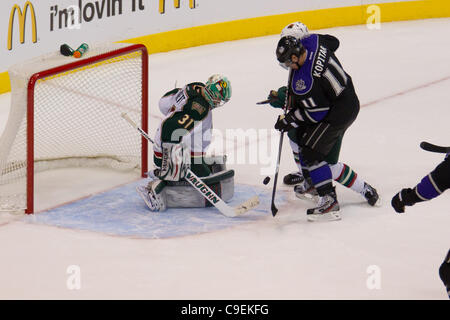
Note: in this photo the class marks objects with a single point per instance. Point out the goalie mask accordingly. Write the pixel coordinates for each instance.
(297, 30)
(217, 90)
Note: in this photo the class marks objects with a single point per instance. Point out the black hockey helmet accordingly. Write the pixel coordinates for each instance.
(286, 47)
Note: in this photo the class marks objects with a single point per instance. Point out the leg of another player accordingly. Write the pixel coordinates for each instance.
(345, 175)
(295, 177)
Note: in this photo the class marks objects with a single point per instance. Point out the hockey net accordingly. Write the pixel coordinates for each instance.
(66, 112)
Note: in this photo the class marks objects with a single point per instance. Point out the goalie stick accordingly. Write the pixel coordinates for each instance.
(434, 148)
(202, 188)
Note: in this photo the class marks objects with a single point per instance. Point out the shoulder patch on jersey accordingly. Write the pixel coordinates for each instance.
(302, 79)
(198, 107)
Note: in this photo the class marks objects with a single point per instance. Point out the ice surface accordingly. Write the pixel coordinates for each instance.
(122, 212)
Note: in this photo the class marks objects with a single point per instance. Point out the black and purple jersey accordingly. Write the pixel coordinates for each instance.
(435, 183)
(321, 84)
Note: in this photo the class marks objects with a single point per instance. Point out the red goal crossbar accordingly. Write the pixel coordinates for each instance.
(71, 66)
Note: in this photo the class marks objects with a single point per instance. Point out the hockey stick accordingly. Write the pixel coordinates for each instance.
(434, 148)
(277, 169)
(202, 188)
(264, 102)
(273, 208)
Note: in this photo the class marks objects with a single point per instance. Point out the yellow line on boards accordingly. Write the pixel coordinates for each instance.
(269, 25)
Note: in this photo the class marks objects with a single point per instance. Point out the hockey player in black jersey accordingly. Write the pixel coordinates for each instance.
(430, 187)
(341, 172)
(322, 104)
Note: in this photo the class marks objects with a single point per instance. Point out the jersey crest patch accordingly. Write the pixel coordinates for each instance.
(198, 107)
(300, 85)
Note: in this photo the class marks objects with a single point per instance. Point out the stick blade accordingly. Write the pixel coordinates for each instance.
(274, 210)
(247, 205)
(434, 148)
(424, 145)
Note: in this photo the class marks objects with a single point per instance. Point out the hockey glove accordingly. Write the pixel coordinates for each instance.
(286, 122)
(273, 96)
(277, 98)
(406, 197)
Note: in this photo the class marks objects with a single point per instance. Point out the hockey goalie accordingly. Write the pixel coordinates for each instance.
(180, 145)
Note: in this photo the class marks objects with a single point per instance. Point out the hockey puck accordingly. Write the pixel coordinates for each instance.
(266, 180)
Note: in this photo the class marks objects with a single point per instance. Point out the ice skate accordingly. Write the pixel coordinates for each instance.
(293, 178)
(306, 191)
(155, 202)
(371, 195)
(327, 209)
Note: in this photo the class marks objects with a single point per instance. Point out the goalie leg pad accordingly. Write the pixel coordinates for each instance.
(216, 163)
(182, 195)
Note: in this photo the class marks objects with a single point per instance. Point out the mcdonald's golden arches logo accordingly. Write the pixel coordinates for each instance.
(176, 4)
(22, 21)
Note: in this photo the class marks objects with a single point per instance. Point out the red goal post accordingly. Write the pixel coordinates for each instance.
(65, 112)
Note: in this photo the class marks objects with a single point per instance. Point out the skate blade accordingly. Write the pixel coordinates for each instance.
(307, 196)
(329, 216)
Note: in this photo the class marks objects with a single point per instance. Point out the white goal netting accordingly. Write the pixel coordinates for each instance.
(71, 116)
